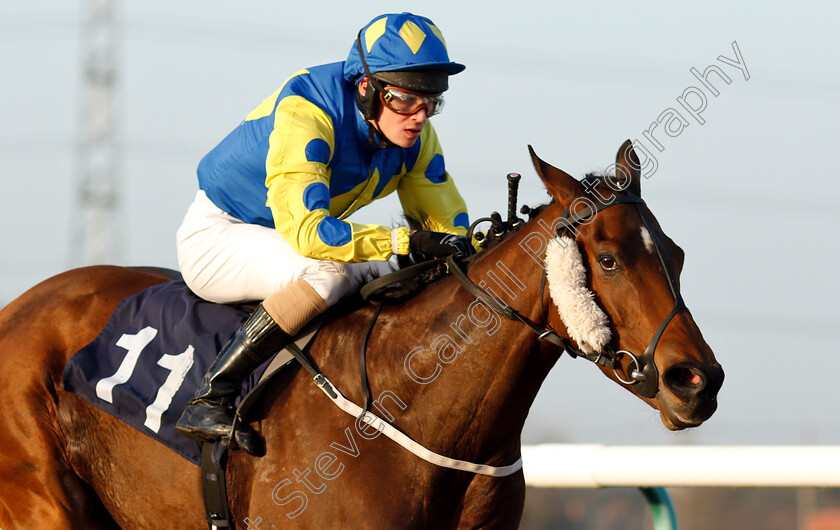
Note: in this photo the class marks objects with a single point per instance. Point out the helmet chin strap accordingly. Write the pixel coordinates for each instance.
(383, 140)
(367, 104)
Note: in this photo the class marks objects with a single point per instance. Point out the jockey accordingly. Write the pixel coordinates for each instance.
(268, 221)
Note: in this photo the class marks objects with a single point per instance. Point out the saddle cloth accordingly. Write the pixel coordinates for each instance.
(150, 358)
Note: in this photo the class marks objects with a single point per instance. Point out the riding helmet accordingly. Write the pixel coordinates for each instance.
(403, 50)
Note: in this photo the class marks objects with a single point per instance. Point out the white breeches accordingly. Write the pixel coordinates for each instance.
(226, 260)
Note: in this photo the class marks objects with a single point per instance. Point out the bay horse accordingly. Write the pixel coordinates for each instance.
(66, 464)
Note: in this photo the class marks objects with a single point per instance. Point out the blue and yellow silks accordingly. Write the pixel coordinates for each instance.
(301, 162)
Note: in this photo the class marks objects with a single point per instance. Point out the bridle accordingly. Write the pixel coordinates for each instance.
(643, 373)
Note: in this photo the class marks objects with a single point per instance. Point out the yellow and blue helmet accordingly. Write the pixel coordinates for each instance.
(404, 50)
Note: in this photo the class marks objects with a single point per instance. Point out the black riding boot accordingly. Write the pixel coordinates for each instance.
(209, 414)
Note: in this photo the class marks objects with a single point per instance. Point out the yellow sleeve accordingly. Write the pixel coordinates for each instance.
(297, 177)
(428, 193)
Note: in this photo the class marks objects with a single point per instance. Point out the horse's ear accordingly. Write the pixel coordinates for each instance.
(627, 169)
(560, 184)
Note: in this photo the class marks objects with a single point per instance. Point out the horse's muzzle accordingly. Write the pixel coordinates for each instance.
(695, 387)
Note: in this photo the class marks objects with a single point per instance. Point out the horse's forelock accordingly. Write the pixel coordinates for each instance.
(599, 175)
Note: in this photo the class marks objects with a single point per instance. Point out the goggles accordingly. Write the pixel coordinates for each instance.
(407, 102)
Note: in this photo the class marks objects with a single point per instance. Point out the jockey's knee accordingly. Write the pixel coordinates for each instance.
(332, 281)
(329, 279)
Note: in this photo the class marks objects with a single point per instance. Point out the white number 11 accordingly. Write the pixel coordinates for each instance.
(178, 366)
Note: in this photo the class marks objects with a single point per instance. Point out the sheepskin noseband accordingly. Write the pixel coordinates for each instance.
(584, 320)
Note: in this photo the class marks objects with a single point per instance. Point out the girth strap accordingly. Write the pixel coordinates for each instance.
(213, 487)
(214, 491)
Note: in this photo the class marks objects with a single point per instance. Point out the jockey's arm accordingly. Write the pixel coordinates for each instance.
(297, 179)
(428, 193)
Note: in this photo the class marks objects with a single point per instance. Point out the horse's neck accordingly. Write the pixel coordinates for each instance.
(469, 374)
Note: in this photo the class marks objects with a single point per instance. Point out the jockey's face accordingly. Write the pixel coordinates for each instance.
(401, 129)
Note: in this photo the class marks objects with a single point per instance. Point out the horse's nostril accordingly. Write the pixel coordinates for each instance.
(688, 377)
(689, 381)
(692, 378)
(684, 380)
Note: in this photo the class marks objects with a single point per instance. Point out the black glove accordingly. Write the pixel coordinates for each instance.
(439, 244)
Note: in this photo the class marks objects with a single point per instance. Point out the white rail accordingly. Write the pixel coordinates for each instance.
(595, 466)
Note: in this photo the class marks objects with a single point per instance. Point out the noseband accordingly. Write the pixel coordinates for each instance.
(643, 374)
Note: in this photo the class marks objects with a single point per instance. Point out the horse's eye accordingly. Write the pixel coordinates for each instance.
(608, 264)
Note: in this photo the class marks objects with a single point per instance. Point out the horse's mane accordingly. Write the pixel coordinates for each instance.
(418, 221)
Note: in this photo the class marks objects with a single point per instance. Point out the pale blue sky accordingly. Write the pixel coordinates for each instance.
(749, 195)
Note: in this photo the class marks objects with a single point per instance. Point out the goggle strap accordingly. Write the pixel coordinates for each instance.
(371, 80)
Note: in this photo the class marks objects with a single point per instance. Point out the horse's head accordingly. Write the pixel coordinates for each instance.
(647, 341)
